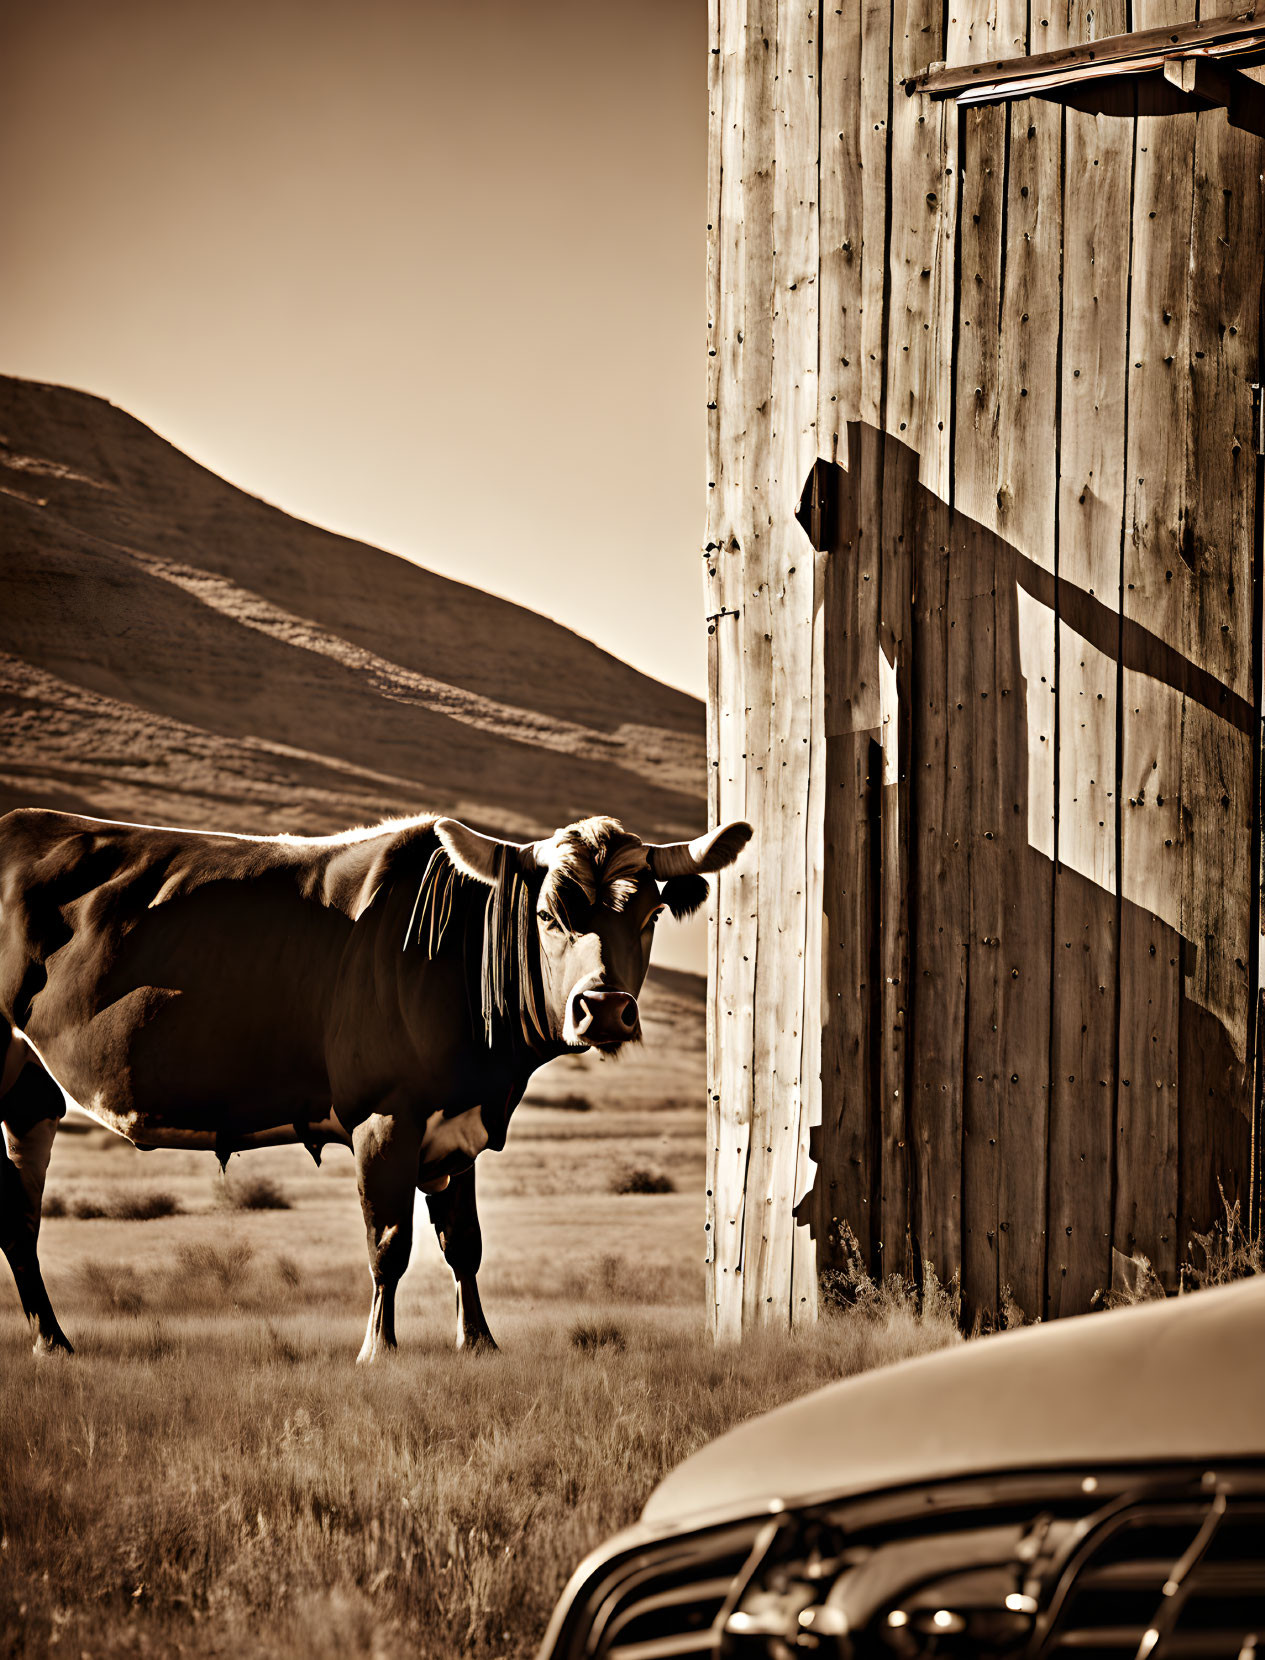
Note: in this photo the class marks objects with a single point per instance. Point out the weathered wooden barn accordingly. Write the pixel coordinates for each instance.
(984, 575)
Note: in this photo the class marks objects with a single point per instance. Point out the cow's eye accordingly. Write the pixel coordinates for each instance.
(654, 916)
(550, 922)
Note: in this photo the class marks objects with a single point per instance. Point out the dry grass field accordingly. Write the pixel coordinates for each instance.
(211, 1474)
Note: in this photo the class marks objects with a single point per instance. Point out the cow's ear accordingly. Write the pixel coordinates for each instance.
(684, 894)
(476, 855)
(717, 850)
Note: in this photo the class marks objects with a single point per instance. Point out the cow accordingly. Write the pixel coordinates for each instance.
(390, 989)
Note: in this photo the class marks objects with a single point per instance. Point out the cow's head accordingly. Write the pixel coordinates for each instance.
(593, 894)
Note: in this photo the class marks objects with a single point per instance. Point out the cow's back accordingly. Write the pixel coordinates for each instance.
(168, 971)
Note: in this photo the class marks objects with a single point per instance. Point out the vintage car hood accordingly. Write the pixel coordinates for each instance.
(1165, 1380)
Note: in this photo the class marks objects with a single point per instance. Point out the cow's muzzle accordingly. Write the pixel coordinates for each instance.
(602, 1019)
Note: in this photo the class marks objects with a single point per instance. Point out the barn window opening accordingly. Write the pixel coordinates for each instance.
(1167, 71)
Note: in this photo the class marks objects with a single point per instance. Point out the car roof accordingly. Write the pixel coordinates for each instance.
(1173, 1380)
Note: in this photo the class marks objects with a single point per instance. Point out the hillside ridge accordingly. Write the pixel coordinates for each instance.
(174, 649)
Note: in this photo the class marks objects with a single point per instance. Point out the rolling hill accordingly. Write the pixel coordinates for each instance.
(176, 648)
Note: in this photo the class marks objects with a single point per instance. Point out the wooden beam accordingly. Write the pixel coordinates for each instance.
(1169, 86)
(1220, 87)
(1239, 35)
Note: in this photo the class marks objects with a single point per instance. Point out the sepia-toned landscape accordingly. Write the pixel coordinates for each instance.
(824, 450)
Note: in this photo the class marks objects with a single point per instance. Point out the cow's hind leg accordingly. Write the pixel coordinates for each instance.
(30, 1109)
(386, 1151)
(456, 1219)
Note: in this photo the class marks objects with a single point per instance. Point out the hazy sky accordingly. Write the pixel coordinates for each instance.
(430, 274)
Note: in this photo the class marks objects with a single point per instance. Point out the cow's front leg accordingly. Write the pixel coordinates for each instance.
(386, 1149)
(456, 1219)
(31, 1109)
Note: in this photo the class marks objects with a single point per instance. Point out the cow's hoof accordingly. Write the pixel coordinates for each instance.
(57, 1343)
(372, 1354)
(478, 1342)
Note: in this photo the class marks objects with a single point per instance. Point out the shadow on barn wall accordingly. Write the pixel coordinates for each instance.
(1039, 1033)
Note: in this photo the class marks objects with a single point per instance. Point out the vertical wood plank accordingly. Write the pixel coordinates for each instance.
(878, 92)
(804, 1264)
(940, 766)
(841, 216)
(856, 93)
(778, 1103)
(714, 531)
(1097, 184)
(1026, 515)
(898, 519)
(828, 432)
(744, 231)
(981, 229)
(851, 258)
(1155, 595)
(1082, 1083)
(753, 621)
(715, 303)
(1216, 1078)
(1145, 1208)
(971, 660)
(892, 1245)
(1028, 378)
(923, 165)
(1099, 156)
(1216, 536)
(852, 720)
(1022, 961)
(989, 335)
(976, 34)
(975, 577)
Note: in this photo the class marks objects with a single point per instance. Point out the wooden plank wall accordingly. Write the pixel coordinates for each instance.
(985, 1000)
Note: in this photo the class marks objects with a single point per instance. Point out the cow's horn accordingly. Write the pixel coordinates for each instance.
(714, 851)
